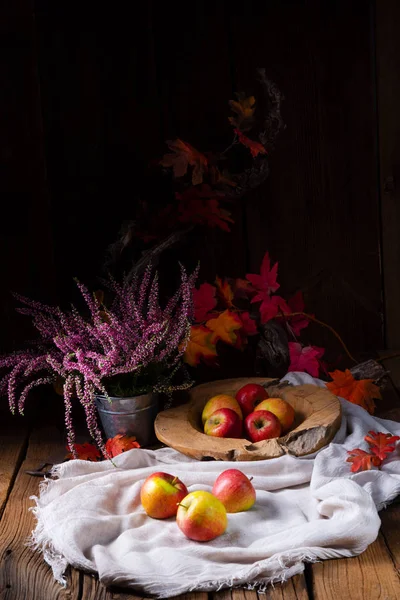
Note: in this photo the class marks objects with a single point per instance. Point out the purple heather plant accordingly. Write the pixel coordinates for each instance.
(131, 341)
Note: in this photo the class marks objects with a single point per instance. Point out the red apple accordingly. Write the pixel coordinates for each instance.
(160, 495)
(224, 422)
(235, 490)
(249, 395)
(201, 516)
(220, 401)
(262, 425)
(281, 409)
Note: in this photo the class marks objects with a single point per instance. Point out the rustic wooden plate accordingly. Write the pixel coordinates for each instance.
(318, 417)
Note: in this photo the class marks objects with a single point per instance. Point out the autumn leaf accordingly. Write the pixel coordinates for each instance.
(242, 288)
(361, 392)
(224, 326)
(362, 460)
(296, 304)
(243, 108)
(199, 347)
(184, 155)
(217, 178)
(271, 307)
(255, 148)
(265, 283)
(224, 292)
(201, 206)
(249, 324)
(305, 358)
(86, 451)
(204, 301)
(120, 443)
(381, 444)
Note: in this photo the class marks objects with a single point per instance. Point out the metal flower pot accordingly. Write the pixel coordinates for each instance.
(129, 416)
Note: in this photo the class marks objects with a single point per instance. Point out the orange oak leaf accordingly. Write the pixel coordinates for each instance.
(86, 451)
(183, 155)
(255, 148)
(200, 346)
(381, 444)
(224, 291)
(224, 326)
(361, 392)
(204, 301)
(243, 108)
(362, 460)
(120, 443)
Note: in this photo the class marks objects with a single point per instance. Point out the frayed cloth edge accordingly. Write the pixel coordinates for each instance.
(39, 540)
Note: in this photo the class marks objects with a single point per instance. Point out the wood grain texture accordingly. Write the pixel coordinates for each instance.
(293, 589)
(13, 443)
(372, 576)
(318, 417)
(23, 573)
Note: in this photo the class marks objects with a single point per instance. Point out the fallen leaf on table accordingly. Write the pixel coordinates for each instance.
(358, 391)
(223, 327)
(204, 301)
(199, 347)
(184, 155)
(362, 460)
(120, 443)
(381, 444)
(86, 451)
(305, 358)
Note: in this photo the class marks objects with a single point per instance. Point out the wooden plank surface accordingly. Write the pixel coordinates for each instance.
(372, 576)
(13, 442)
(294, 589)
(24, 574)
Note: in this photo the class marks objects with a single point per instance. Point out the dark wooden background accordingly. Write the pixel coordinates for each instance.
(89, 96)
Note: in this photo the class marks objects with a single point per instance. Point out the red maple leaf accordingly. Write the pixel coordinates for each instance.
(305, 358)
(296, 304)
(120, 443)
(271, 306)
(200, 205)
(255, 147)
(249, 324)
(362, 460)
(204, 301)
(265, 283)
(86, 451)
(381, 444)
(184, 155)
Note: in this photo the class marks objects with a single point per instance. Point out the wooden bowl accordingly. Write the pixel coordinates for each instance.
(318, 417)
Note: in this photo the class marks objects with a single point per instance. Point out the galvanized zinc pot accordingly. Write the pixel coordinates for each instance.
(130, 416)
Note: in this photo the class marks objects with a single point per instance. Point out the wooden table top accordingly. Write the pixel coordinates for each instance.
(25, 576)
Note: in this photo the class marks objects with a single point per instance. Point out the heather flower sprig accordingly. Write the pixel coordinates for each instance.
(133, 336)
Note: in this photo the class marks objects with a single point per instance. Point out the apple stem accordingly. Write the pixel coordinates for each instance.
(180, 504)
(251, 478)
(175, 479)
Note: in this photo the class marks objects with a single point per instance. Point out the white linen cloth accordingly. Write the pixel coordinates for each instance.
(307, 509)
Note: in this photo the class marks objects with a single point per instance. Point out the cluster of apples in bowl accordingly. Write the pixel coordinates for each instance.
(251, 414)
(200, 515)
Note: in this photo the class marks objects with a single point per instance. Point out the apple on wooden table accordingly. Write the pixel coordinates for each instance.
(235, 491)
(281, 409)
(262, 425)
(224, 422)
(220, 401)
(160, 495)
(249, 396)
(201, 516)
